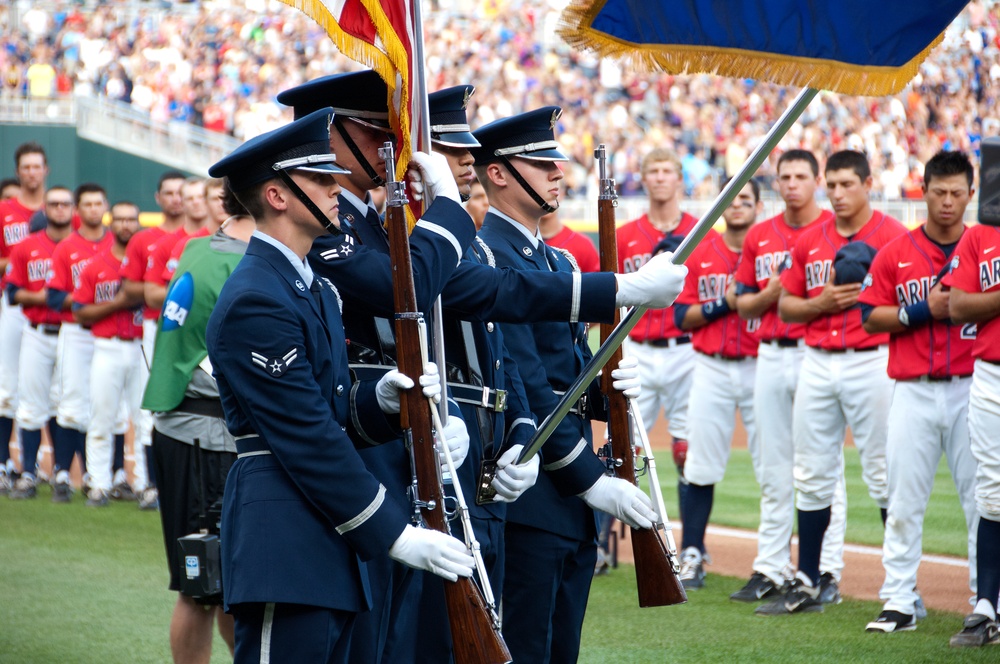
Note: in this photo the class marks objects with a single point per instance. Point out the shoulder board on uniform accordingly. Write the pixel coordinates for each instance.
(570, 257)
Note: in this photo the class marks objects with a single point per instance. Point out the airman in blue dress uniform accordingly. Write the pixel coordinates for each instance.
(301, 510)
(550, 537)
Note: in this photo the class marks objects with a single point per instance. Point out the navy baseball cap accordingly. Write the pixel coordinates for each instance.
(302, 145)
(449, 124)
(360, 96)
(852, 262)
(529, 135)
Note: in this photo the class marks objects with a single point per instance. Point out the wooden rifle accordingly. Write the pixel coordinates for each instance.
(475, 628)
(656, 566)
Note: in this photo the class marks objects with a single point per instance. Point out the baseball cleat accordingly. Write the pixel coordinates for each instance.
(692, 574)
(892, 621)
(62, 492)
(97, 498)
(757, 588)
(800, 598)
(829, 589)
(24, 488)
(977, 630)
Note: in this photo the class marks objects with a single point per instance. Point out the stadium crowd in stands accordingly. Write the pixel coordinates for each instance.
(220, 64)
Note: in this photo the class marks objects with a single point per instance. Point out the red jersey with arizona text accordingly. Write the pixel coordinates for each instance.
(766, 250)
(160, 256)
(636, 241)
(14, 224)
(902, 274)
(975, 268)
(68, 261)
(578, 244)
(812, 261)
(711, 268)
(175, 254)
(29, 268)
(99, 283)
(136, 255)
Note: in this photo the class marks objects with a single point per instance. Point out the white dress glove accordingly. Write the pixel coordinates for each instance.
(430, 176)
(622, 500)
(392, 383)
(513, 479)
(456, 437)
(625, 378)
(655, 285)
(433, 551)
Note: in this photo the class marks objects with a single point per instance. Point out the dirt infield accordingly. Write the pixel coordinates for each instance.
(943, 580)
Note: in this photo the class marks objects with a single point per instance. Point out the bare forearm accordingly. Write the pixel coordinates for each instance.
(973, 307)
(795, 309)
(884, 319)
(753, 305)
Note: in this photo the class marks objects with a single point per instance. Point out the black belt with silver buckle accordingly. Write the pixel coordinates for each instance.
(940, 379)
(252, 445)
(667, 343)
(481, 397)
(46, 328)
(867, 349)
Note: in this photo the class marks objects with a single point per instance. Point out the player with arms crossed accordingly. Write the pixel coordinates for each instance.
(842, 381)
(930, 358)
(723, 372)
(766, 253)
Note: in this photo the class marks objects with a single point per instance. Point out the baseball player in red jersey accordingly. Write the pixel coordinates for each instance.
(766, 252)
(842, 381)
(975, 299)
(75, 346)
(931, 361)
(664, 352)
(722, 380)
(38, 389)
(171, 202)
(32, 169)
(117, 368)
(578, 245)
(216, 218)
(195, 215)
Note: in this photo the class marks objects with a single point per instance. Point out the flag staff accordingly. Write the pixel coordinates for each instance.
(617, 336)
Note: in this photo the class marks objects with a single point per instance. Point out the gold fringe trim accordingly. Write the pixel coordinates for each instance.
(387, 64)
(578, 17)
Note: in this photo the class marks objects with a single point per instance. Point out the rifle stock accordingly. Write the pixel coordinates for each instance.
(656, 574)
(475, 629)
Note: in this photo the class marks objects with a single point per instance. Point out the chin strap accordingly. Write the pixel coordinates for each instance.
(302, 196)
(524, 185)
(356, 151)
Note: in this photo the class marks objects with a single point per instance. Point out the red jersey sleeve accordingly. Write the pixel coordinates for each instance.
(134, 265)
(84, 293)
(965, 268)
(794, 278)
(17, 269)
(879, 287)
(61, 277)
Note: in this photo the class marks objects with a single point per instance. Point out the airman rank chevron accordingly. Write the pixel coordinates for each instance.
(345, 249)
(275, 366)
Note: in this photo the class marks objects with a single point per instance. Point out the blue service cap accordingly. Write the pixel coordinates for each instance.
(360, 95)
(529, 135)
(302, 145)
(449, 123)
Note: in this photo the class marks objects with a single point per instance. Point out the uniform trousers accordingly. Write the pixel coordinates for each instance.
(75, 352)
(926, 420)
(774, 396)
(545, 591)
(37, 384)
(270, 633)
(12, 324)
(116, 383)
(984, 423)
(665, 373)
(837, 390)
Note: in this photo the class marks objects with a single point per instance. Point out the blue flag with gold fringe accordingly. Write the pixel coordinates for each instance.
(859, 47)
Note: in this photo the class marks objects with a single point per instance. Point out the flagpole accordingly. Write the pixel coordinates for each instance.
(423, 143)
(617, 336)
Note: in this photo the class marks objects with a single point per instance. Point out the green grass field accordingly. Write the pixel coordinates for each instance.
(89, 586)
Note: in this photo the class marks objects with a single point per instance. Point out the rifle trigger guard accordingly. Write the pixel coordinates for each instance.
(450, 504)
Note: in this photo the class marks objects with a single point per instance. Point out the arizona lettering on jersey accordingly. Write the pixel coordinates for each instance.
(99, 283)
(767, 251)
(812, 260)
(68, 261)
(711, 268)
(29, 268)
(636, 241)
(974, 269)
(136, 256)
(14, 219)
(903, 273)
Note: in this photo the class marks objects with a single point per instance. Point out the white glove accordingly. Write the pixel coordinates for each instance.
(456, 437)
(393, 382)
(433, 551)
(513, 479)
(655, 285)
(430, 175)
(625, 378)
(622, 500)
